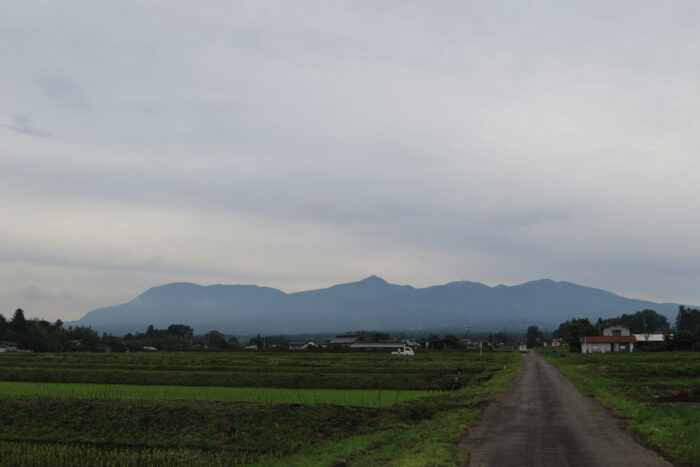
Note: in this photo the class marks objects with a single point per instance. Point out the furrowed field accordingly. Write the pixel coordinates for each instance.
(657, 394)
(243, 408)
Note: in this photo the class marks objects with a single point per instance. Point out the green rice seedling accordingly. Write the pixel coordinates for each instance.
(356, 397)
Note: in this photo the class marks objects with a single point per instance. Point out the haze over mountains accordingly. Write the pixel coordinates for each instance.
(370, 304)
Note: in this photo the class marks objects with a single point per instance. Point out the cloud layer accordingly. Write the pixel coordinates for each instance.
(300, 144)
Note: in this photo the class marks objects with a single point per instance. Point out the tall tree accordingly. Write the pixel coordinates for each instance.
(532, 335)
(571, 330)
(688, 319)
(646, 321)
(18, 320)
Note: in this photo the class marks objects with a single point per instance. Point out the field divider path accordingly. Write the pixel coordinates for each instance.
(544, 420)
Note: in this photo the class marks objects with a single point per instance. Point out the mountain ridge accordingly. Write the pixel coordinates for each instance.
(371, 304)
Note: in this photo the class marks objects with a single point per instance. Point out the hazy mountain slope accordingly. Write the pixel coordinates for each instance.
(370, 304)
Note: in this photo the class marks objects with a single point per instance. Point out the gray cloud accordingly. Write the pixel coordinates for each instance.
(34, 293)
(23, 124)
(63, 91)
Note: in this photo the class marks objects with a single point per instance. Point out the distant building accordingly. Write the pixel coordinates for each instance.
(344, 340)
(615, 338)
(656, 337)
(8, 346)
(302, 345)
(381, 345)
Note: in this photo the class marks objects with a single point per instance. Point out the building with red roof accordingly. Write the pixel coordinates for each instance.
(615, 338)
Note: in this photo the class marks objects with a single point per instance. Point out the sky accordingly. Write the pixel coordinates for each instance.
(301, 144)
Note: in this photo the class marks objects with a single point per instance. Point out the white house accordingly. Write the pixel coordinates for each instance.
(655, 337)
(615, 338)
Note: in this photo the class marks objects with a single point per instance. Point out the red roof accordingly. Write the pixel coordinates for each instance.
(595, 339)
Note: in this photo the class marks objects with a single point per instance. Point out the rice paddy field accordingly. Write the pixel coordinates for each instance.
(656, 394)
(240, 408)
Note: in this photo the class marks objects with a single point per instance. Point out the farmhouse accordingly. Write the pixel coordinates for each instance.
(302, 345)
(615, 338)
(344, 340)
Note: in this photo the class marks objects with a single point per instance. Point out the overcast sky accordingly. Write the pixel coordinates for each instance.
(300, 144)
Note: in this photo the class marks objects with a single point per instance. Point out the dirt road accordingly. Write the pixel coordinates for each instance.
(543, 420)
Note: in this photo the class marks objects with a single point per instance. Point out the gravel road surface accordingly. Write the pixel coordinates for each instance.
(543, 420)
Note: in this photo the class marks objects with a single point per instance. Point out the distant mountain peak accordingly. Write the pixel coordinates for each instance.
(373, 280)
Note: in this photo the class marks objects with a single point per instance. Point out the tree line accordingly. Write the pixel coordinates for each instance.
(42, 336)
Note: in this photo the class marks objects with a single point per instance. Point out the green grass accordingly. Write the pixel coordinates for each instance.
(352, 397)
(635, 387)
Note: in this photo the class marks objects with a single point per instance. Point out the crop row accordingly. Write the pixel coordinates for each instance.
(80, 455)
(294, 371)
(271, 379)
(125, 392)
(241, 361)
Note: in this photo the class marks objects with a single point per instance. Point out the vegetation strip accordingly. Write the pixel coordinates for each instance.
(354, 397)
(638, 387)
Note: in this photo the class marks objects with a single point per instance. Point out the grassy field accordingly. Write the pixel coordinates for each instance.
(434, 371)
(657, 395)
(288, 421)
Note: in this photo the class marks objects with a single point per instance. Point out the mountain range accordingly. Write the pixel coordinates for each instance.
(370, 304)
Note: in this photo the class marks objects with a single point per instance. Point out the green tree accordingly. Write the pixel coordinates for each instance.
(571, 330)
(19, 323)
(215, 340)
(684, 340)
(532, 335)
(646, 321)
(688, 319)
(89, 339)
(180, 330)
(4, 327)
(233, 343)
